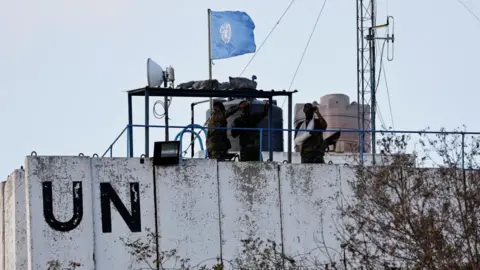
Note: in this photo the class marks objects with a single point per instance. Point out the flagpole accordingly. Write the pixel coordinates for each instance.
(210, 57)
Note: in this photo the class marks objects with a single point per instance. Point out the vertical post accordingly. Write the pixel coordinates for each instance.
(166, 104)
(130, 128)
(463, 152)
(361, 147)
(167, 137)
(373, 90)
(210, 56)
(147, 122)
(111, 151)
(362, 57)
(358, 73)
(192, 138)
(290, 120)
(270, 122)
(261, 144)
(464, 177)
(155, 214)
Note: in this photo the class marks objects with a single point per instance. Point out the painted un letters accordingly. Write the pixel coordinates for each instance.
(107, 195)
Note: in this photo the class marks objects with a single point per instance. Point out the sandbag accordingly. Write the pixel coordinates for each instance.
(206, 84)
(186, 85)
(224, 86)
(198, 85)
(233, 83)
(240, 82)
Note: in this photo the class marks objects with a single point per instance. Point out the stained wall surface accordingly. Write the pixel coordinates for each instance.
(106, 213)
(15, 233)
(332, 158)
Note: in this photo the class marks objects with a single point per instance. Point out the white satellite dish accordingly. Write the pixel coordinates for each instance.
(155, 74)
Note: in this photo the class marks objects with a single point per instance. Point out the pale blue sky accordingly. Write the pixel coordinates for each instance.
(64, 64)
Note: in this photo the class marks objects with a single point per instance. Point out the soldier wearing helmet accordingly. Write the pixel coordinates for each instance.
(217, 140)
(249, 139)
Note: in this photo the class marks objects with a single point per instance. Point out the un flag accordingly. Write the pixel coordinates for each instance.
(231, 34)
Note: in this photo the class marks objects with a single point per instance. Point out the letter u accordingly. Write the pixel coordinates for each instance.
(77, 208)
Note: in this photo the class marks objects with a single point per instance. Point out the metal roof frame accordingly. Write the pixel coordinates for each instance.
(148, 92)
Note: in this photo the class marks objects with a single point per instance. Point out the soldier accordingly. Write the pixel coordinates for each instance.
(311, 142)
(217, 140)
(249, 139)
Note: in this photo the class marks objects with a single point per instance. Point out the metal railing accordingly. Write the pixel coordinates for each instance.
(362, 136)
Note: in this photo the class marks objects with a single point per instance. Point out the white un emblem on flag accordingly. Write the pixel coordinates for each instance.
(226, 32)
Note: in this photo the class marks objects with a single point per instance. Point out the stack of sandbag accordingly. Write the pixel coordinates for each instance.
(233, 83)
(204, 84)
(242, 83)
(225, 86)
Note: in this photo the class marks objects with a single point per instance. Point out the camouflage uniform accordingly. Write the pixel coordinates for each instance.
(249, 139)
(313, 148)
(217, 140)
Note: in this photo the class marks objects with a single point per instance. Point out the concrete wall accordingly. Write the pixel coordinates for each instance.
(104, 213)
(15, 226)
(350, 159)
(59, 230)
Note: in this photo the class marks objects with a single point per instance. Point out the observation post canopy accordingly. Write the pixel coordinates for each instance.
(148, 92)
(189, 92)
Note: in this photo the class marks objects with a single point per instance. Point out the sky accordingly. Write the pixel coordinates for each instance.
(64, 65)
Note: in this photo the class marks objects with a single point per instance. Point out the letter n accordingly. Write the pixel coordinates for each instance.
(77, 208)
(107, 195)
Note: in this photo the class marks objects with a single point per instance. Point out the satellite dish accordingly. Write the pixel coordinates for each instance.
(155, 74)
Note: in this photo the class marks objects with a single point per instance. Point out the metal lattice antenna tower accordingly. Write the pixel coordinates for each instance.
(366, 71)
(365, 20)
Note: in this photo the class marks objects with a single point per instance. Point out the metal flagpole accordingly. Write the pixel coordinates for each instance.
(210, 57)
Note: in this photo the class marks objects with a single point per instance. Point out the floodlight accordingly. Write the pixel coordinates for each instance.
(166, 153)
(155, 74)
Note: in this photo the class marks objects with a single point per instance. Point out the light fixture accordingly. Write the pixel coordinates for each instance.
(166, 153)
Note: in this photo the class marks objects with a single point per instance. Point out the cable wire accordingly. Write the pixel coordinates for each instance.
(378, 111)
(308, 43)
(380, 117)
(305, 49)
(469, 10)
(161, 103)
(265, 40)
(388, 95)
(382, 67)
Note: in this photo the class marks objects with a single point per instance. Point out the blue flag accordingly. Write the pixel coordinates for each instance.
(231, 34)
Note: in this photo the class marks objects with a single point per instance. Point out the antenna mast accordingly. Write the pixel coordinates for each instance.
(366, 69)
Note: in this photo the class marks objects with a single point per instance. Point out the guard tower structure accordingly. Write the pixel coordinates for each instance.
(147, 92)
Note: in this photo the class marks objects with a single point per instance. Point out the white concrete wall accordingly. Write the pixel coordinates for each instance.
(188, 219)
(15, 221)
(310, 195)
(109, 248)
(45, 244)
(249, 204)
(2, 227)
(350, 159)
(202, 209)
